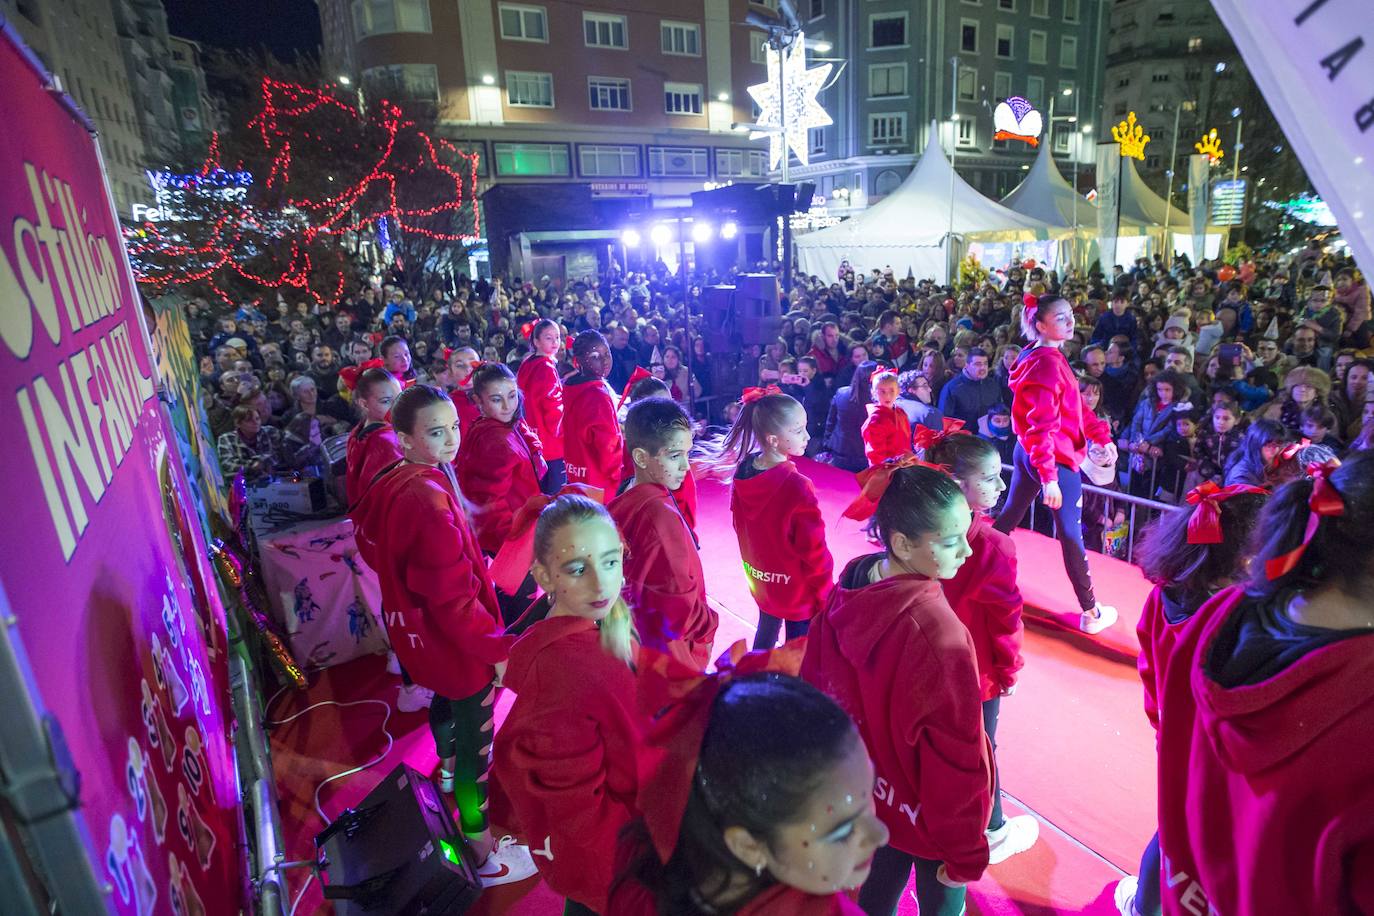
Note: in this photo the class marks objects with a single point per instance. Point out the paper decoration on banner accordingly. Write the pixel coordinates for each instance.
(125, 865)
(197, 835)
(1210, 146)
(159, 735)
(144, 787)
(1131, 137)
(182, 890)
(1017, 119)
(791, 109)
(193, 760)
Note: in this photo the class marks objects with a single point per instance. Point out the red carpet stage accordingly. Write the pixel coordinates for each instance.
(1074, 746)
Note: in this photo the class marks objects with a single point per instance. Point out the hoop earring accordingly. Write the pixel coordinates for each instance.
(758, 870)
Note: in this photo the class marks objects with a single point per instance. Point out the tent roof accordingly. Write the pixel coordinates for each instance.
(918, 213)
(1140, 204)
(1045, 195)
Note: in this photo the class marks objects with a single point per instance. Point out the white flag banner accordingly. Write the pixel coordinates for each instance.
(1108, 203)
(1199, 201)
(1314, 63)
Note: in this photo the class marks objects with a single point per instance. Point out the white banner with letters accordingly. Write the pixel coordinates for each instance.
(1199, 201)
(1314, 63)
(1108, 203)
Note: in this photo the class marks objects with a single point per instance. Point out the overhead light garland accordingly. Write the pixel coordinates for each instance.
(787, 72)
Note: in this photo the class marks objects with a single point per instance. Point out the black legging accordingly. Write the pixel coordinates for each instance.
(887, 879)
(991, 708)
(1147, 890)
(463, 730)
(766, 636)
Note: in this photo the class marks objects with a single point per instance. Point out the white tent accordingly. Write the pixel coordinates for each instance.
(909, 229)
(1139, 204)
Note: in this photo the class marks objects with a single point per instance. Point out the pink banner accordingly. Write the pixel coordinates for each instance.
(103, 562)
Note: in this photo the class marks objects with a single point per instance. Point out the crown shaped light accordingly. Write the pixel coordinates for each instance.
(1131, 136)
(1210, 147)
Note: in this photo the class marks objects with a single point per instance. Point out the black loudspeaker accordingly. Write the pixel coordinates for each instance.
(758, 308)
(806, 192)
(718, 318)
(397, 853)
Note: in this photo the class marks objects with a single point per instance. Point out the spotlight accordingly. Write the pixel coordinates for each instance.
(488, 79)
(729, 230)
(701, 232)
(1221, 66)
(660, 234)
(630, 238)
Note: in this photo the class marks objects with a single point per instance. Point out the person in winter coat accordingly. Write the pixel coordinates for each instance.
(844, 424)
(565, 761)
(592, 444)
(971, 393)
(1053, 426)
(1144, 437)
(1266, 735)
(539, 383)
(886, 432)
(892, 652)
(916, 399)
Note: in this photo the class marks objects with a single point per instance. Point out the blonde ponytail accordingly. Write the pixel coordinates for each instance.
(618, 636)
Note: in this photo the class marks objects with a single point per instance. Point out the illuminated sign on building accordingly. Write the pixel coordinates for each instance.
(1017, 119)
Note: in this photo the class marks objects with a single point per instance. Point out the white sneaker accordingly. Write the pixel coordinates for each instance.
(393, 664)
(1017, 834)
(509, 862)
(413, 698)
(1098, 619)
(1125, 895)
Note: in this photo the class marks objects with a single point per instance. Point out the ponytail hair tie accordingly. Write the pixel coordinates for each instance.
(873, 483)
(754, 394)
(349, 375)
(1325, 502)
(926, 438)
(1204, 525)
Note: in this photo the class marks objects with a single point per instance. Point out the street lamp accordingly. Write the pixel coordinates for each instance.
(344, 80)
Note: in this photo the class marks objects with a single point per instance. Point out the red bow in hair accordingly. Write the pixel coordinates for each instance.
(350, 374)
(1290, 451)
(637, 376)
(516, 556)
(568, 342)
(926, 438)
(874, 482)
(879, 373)
(680, 697)
(1325, 502)
(754, 394)
(1204, 525)
(527, 330)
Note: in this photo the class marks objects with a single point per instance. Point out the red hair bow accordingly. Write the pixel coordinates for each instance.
(680, 698)
(879, 373)
(1325, 502)
(637, 376)
(754, 394)
(349, 375)
(1290, 451)
(568, 342)
(1204, 525)
(874, 482)
(516, 556)
(527, 330)
(926, 438)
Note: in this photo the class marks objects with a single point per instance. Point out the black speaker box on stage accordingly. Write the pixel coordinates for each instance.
(758, 308)
(398, 852)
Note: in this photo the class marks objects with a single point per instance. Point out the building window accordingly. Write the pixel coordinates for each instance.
(887, 129)
(1040, 9)
(1194, 45)
(601, 161)
(758, 47)
(1001, 85)
(1189, 104)
(379, 17)
(681, 38)
(602, 30)
(537, 160)
(1035, 89)
(607, 93)
(968, 84)
(682, 98)
(1005, 41)
(816, 137)
(1123, 82)
(1008, 5)
(418, 82)
(1152, 162)
(1068, 51)
(1166, 13)
(965, 131)
(1159, 77)
(1070, 10)
(677, 162)
(886, 80)
(887, 30)
(524, 23)
(968, 36)
(475, 148)
(529, 90)
(741, 163)
(1038, 43)
(817, 9)
(1061, 142)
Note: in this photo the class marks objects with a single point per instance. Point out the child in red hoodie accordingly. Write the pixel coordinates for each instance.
(710, 841)
(1053, 425)
(539, 383)
(776, 516)
(440, 608)
(566, 757)
(667, 586)
(1266, 732)
(686, 495)
(592, 445)
(891, 651)
(1190, 556)
(372, 445)
(462, 362)
(986, 599)
(887, 431)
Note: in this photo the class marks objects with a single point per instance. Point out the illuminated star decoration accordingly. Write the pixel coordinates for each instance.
(803, 110)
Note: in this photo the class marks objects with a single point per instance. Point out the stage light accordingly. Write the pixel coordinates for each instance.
(701, 232)
(630, 238)
(729, 230)
(660, 234)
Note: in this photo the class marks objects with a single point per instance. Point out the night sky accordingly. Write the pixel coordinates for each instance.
(283, 26)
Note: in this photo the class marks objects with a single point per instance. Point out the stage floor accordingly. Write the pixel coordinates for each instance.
(1073, 744)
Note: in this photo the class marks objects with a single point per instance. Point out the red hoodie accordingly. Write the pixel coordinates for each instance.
(1264, 788)
(468, 412)
(985, 598)
(372, 447)
(663, 574)
(499, 468)
(440, 607)
(1049, 414)
(893, 654)
(592, 443)
(543, 396)
(634, 899)
(1161, 620)
(565, 759)
(887, 434)
(782, 541)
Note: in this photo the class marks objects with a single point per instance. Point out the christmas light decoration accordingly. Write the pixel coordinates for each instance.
(1017, 119)
(787, 73)
(1210, 146)
(1131, 137)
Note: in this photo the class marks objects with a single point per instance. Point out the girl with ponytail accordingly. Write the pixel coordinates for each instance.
(565, 759)
(1266, 729)
(1054, 425)
(542, 388)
